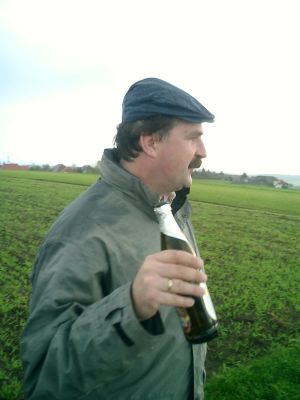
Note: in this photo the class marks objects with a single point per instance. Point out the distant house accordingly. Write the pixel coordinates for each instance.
(15, 167)
(58, 168)
(87, 169)
(264, 180)
(68, 169)
(280, 184)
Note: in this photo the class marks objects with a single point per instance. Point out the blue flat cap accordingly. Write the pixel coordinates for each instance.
(152, 96)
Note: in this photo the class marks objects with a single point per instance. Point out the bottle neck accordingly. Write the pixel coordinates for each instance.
(167, 222)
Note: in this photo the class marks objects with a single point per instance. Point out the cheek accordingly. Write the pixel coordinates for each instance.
(175, 158)
(175, 165)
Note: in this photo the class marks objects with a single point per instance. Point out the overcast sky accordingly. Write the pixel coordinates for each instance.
(65, 66)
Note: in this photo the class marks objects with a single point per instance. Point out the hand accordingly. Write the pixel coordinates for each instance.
(170, 277)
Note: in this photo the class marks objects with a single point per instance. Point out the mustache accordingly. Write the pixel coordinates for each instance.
(196, 162)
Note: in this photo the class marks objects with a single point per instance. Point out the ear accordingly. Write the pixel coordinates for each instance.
(149, 143)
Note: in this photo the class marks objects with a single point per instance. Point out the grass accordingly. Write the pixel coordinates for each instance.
(272, 377)
(27, 209)
(72, 178)
(252, 259)
(247, 196)
(249, 239)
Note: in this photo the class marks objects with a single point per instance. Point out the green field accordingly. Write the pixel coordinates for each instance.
(249, 239)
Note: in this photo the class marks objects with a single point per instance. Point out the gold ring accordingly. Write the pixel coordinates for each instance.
(170, 284)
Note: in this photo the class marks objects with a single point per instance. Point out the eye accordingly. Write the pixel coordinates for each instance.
(195, 139)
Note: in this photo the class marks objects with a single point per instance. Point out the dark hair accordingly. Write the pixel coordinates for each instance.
(128, 134)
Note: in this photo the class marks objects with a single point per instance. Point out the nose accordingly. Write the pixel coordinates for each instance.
(201, 150)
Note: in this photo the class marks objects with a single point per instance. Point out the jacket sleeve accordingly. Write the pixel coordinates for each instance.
(77, 337)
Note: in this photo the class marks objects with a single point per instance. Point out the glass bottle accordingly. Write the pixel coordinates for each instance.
(199, 322)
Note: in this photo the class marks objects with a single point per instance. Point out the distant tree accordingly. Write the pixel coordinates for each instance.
(35, 168)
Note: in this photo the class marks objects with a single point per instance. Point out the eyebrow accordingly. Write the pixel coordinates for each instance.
(195, 133)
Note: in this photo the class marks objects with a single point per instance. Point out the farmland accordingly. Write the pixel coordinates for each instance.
(249, 240)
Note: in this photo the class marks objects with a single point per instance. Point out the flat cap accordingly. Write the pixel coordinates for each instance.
(153, 96)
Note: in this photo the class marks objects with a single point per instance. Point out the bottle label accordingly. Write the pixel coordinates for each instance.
(185, 320)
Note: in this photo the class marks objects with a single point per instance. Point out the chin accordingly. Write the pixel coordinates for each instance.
(188, 181)
(185, 182)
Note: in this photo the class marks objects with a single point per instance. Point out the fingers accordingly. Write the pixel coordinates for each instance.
(175, 271)
(182, 288)
(169, 277)
(181, 273)
(174, 300)
(181, 258)
(179, 265)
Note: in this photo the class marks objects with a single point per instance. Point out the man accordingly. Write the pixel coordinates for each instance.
(103, 322)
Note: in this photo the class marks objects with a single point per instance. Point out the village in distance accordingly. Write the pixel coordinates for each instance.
(278, 181)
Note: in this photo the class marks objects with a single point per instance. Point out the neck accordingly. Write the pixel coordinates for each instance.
(143, 168)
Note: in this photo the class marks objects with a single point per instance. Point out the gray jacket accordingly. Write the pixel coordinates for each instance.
(82, 339)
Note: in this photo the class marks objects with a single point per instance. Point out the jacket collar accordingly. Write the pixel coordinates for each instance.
(113, 174)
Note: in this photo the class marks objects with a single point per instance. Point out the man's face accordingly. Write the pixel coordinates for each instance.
(178, 154)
